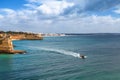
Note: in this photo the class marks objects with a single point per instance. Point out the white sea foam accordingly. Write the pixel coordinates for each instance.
(66, 52)
(74, 54)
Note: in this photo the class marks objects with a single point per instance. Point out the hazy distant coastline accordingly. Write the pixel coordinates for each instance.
(68, 34)
(32, 34)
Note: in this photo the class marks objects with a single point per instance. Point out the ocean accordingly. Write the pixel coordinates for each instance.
(56, 58)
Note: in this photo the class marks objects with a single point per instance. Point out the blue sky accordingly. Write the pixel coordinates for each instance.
(60, 16)
(12, 4)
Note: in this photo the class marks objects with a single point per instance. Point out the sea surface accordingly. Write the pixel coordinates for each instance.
(56, 58)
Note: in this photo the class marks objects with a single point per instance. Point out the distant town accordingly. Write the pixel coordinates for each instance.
(20, 35)
(24, 35)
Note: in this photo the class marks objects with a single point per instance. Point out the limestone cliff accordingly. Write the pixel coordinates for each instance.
(5, 43)
(24, 36)
(6, 38)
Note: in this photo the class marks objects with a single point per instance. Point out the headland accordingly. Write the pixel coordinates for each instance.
(6, 38)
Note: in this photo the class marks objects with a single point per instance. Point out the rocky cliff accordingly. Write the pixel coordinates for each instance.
(6, 38)
(23, 35)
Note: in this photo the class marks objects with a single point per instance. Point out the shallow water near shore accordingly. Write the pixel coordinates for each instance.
(56, 58)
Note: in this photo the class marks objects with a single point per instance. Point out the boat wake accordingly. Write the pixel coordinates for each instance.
(63, 52)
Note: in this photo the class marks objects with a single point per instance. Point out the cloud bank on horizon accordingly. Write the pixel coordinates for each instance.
(62, 16)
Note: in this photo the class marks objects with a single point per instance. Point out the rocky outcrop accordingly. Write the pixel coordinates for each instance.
(6, 38)
(6, 45)
(25, 36)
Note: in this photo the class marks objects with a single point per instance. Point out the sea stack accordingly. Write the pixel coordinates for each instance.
(6, 46)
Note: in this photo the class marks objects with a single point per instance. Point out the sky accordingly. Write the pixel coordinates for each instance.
(60, 16)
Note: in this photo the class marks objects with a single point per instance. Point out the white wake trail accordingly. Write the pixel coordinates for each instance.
(63, 52)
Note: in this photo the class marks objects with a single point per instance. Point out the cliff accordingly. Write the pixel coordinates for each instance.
(26, 37)
(6, 38)
(6, 45)
(23, 35)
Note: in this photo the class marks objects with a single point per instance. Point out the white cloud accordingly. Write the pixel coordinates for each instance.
(53, 7)
(117, 11)
(89, 24)
(1, 17)
(45, 17)
(8, 12)
(81, 24)
(33, 1)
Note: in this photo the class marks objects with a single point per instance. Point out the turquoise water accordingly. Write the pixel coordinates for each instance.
(56, 58)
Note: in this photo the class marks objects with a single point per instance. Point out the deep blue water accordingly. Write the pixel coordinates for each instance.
(55, 58)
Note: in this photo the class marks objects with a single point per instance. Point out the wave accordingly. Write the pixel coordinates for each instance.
(74, 54)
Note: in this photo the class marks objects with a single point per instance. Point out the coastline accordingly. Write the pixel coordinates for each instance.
(6, 38)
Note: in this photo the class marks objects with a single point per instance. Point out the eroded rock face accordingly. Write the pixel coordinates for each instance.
(6, 46)
(26, 37)
(5, 43)
(23, 35)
